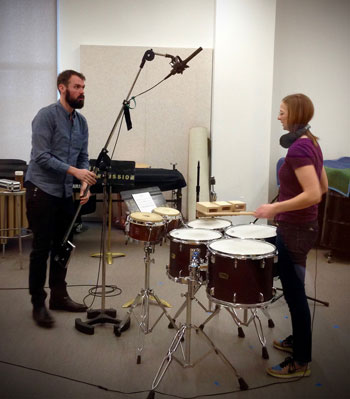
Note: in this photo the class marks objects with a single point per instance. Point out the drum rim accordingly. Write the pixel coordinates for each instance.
(240, 256)
(226, 220)
(193, 241)
(251, 238)
(165, 214)
(150, 224)
(242, 305)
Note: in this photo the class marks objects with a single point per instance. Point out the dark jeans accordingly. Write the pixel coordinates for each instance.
(293, 243)
(49, 218)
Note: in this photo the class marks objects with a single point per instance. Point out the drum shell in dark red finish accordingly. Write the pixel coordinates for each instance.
(240, 281)
(146, 232)
(172, 224)
(181, 256)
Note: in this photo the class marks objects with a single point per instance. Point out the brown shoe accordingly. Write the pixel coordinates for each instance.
(67, 304)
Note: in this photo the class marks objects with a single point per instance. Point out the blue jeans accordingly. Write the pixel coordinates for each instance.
(49, 218)
(293, 243)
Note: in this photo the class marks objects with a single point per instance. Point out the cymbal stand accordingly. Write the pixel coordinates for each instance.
(184, 333)
(144, 298)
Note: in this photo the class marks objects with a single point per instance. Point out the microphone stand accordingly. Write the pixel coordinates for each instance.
(103, 163)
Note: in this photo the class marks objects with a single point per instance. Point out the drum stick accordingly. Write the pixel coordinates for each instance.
(270, 203)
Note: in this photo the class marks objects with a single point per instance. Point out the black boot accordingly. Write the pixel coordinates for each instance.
(42, 317)
(66, 303)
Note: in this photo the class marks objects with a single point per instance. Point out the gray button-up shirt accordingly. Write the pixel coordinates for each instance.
(57, 143)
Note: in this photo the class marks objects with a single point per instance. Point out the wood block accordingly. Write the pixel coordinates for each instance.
(237, 206)
(207, 207)
(224, 206)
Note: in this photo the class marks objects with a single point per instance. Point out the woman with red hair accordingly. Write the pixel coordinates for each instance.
(303, 180)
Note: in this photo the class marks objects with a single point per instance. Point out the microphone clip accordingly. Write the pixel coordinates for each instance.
(178, 66)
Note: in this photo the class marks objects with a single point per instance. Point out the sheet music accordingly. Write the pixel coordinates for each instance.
(144, 201)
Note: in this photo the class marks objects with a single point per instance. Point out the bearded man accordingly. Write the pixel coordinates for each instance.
(59, 153)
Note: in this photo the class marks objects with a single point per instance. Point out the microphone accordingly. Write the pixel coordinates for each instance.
(178, 66)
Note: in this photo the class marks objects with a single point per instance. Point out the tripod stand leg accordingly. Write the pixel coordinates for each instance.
(238, 322)
(243, 385)
(260, 333)
(168, 357)
(266, 313)
(216, 311)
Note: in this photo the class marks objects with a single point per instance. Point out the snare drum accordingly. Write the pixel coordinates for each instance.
(183, 242)
(210, 224)
(172, 217)
(145, 226)
(240, 272)
(252, 231)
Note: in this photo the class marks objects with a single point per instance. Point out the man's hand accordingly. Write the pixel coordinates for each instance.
(83, 175)
(84, 198)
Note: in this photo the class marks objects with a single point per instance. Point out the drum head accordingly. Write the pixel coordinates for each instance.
(146, 217)
(238, 247)
(165, 211)
(209, 223)
(254, 231)
(197, 235)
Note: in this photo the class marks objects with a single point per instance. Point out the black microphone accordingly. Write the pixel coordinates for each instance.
(178, 66)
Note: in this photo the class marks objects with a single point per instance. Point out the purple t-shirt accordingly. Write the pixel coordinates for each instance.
(301, 153)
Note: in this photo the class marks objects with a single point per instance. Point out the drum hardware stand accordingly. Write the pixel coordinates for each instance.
(254, 315)
(103, 315)
(110, 255)
(143, 299)
(213, 196)
(196, 288)
(184, 332)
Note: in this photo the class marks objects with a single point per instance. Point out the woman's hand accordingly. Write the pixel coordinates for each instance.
(266, 211)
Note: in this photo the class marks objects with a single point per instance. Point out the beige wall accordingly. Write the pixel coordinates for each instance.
(162, 117)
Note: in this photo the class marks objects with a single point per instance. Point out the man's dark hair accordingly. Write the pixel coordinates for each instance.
(63, 77)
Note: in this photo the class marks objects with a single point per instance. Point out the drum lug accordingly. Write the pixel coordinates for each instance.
(235, 264)
(234, 297)
(262, 264)
(212, 291)
(261, 295)
(212, 259)
(275, 258)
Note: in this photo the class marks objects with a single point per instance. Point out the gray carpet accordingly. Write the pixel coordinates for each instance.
(65, 363)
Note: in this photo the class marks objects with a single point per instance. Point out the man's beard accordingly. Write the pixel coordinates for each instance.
(77, 103)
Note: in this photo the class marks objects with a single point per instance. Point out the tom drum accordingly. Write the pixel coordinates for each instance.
(252, 231)
(145, 226)
(183, 243)
(210, 224)
(240, 272)
(172, 217)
